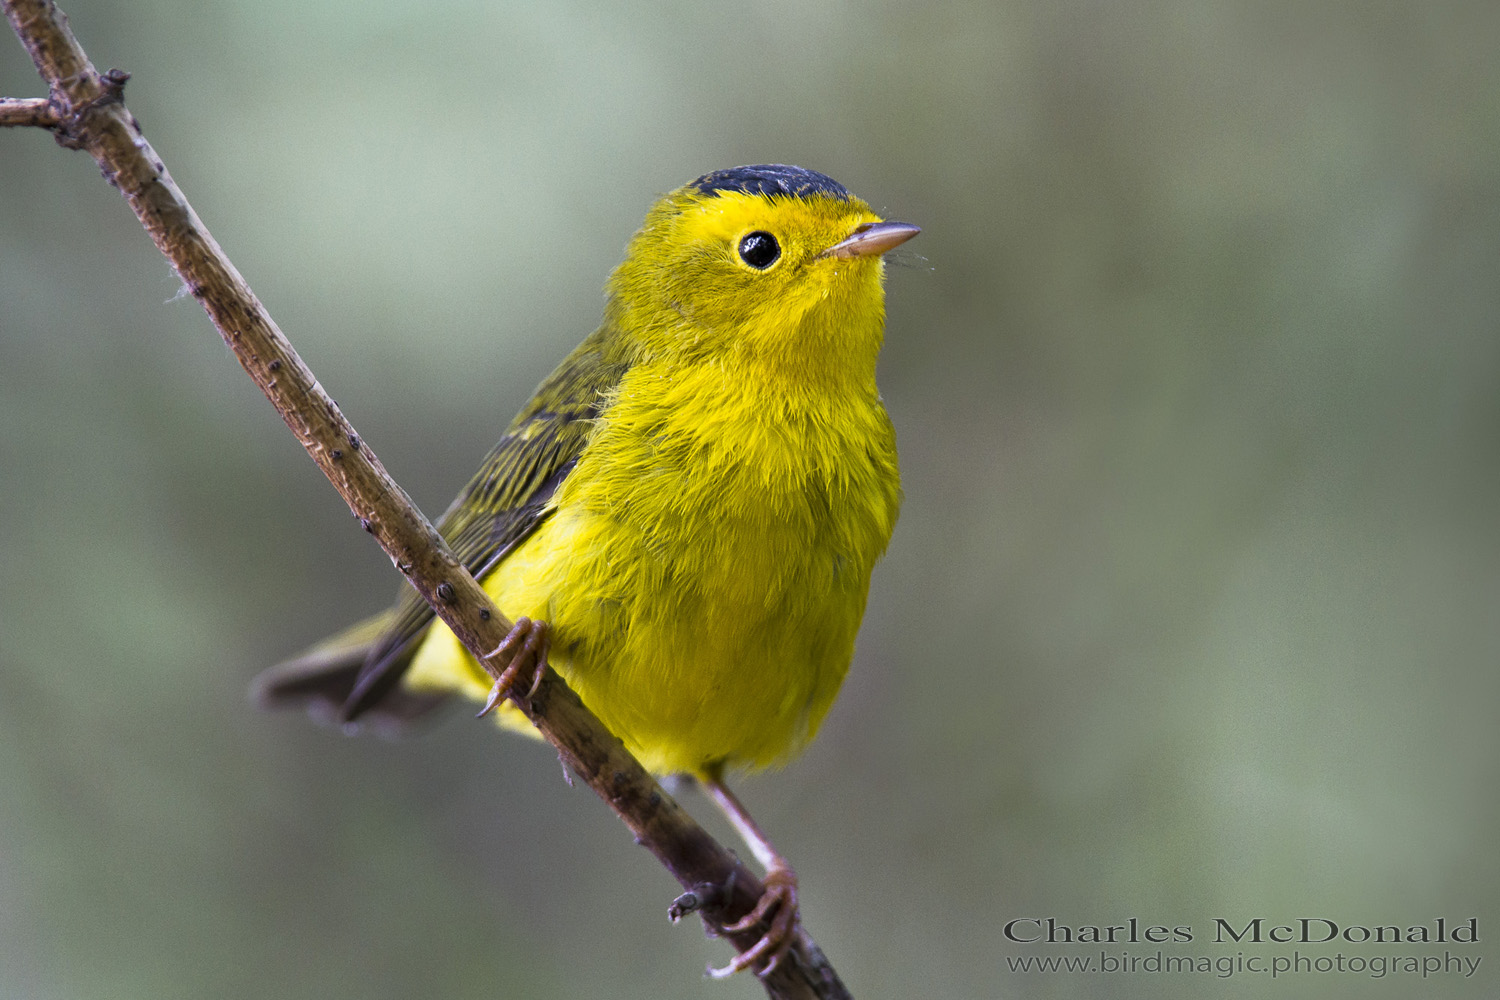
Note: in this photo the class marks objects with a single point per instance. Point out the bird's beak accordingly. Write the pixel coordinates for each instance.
(872, 239)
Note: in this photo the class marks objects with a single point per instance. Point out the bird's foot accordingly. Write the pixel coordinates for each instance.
(777, 909)
(524, 648)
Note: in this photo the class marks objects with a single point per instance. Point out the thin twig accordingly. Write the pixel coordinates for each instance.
(86, 111)
(35, 111)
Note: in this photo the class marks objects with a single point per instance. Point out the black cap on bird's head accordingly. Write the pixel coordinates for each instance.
(771, 180)
(781, 180)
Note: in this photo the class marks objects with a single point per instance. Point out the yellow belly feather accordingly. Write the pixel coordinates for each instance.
(704, 579)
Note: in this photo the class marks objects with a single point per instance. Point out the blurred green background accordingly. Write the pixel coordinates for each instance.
(1193, 610)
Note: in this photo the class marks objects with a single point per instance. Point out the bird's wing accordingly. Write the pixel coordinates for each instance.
(505, 501)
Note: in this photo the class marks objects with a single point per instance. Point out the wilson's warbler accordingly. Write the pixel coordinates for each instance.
(693, 501)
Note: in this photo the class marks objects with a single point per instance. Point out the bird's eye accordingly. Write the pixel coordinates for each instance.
(759, 249)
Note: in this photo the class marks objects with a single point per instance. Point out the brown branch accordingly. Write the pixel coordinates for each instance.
(27, 111)
(86, 111)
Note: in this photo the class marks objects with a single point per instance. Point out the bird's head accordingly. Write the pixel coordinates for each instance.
(772, 263)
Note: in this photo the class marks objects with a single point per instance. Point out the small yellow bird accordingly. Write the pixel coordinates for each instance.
(692, 502)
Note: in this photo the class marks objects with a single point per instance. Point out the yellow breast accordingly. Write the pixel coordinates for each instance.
(706, 564)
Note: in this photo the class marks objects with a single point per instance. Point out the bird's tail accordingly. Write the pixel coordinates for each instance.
(321, 678)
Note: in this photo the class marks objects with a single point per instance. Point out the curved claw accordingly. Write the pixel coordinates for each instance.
(527, 643)
(778, 906)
